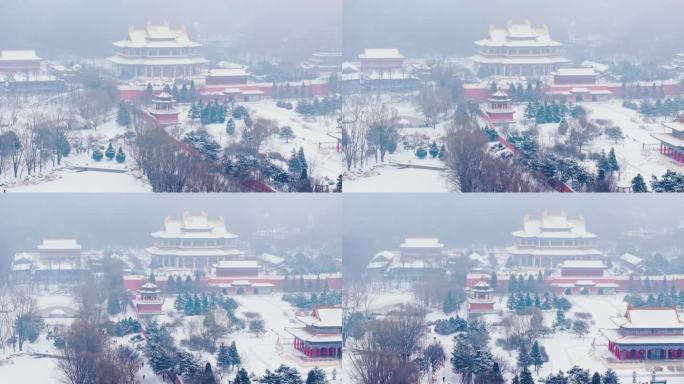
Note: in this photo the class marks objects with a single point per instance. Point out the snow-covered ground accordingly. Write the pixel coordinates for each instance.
(269, 350)
(638, 152)
(317, 135)
(403, 171)
(563, 348)
(78, 172)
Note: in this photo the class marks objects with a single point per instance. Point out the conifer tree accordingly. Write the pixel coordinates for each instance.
(120, 156)
(222, 358)
(638, 184)
(110, 152)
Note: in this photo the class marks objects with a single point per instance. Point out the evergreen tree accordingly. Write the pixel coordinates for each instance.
(110, 152)
(524, 359)
(434, 151)
(222, 358)
(234, 356)
(242, 377)
(610, 377)
(149, 93)
(449, 305)
(123, 116)
(638, 184)
(612, 160)
(526, 377)
(596, 378)
(536, 356)
(97, 155)
(577, 375)
(120, 156)
(230, 127)
(316, 376)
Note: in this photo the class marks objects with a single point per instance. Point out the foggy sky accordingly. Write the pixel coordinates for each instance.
(375, 222)
(444, 27)
(60, 28)
(119, 221)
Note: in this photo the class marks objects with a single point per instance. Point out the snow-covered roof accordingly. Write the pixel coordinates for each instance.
(194, 252)
(237, 264)
(194, 226)
(228, 72)
(304, 334)
(570, 252)
(323, 317)
(23, 55)
(519, 60)
(381, 53)
(554, 225)
(149, 287)
(157, 60)
(676, 126)
(421, 242)
(582, 264)
(576, 72)
(519, 35)
(631, 259)
(649, 317)
(157, 35)
(615, 336)
(272, 259)
(60, 244)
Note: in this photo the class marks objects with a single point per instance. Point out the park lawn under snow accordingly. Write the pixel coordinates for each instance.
(105, 175)
(269, 350)
(631, 154)
(318, 135)
(396, 173)
(563, 348)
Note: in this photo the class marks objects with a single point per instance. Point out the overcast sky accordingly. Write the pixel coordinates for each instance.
(88, 27)
(126, 220)
(434, 27)
(374, 222)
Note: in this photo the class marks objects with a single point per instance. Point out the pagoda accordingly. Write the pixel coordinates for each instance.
(193, 242)
(518, 50)
(481, 298)
(148, 299)
(548, 241)
(158, 52)
(499, 108)
(163, 110)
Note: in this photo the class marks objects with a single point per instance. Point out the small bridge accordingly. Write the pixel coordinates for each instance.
(58, 311)
(84, 168)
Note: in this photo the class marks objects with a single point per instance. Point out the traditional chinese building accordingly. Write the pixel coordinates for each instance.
(158, 52)
(647, 333)
(481, 298)
(193, 242)
(163, 110)
(583, 75)
(321, 336)
(548, 241)
(416, 258)
(518, 50)
(54, 261)
(20, 62)
(227, 76)
(381, 60)
(237, 268)
(499, 108)
(148, 299)
(672, 143)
